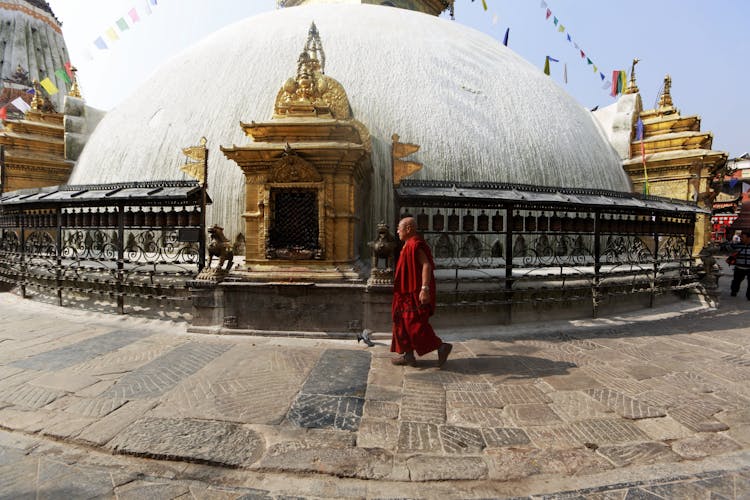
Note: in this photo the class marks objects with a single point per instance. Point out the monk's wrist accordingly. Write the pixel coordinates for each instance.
(425, 288)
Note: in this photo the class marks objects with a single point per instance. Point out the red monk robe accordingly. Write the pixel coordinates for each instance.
(411, 327)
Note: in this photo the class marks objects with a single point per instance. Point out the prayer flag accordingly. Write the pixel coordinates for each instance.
(31, 91)
(505, 38)
(68, 70)
(561, 28)
(122, 24)
(22, 105)
(546, 65)
(494, 19)
(569, 39)
(134, 15)
(153, 2)
(62, 75)
(607, 85)
(583, 54)
(553, 59)
(745, 187)
(639, 130)
(645, 172)
(484, 4)
(576, 45)
(49, 86)
(588, 61)
(543, 5)
(549, 13)
(147, 8)
(596, 70)
(99, 42)
(602, 75)
(565, 72)
(623, 81)
(111, 34)
(3, 113)
(615, 83)
(554, 19)
(733, 182)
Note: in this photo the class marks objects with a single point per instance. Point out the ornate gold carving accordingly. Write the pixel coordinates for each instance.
(311, 93)
(293, 169)
(197, 167)
(403, 168)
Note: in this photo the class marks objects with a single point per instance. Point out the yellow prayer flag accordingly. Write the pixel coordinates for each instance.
(484, 4)
(111, 34)
(561, 28)
(49, 86)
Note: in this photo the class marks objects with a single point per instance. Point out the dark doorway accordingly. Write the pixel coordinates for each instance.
(295, 219)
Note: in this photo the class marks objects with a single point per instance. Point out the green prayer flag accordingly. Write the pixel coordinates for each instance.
(546, 65)
(63, 75)
(122, 24)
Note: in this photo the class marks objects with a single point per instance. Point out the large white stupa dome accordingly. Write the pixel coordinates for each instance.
(479, 111)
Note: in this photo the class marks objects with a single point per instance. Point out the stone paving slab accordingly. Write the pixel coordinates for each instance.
(84, 350)
(220, 443)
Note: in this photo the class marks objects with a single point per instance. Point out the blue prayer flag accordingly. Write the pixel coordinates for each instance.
(505, 38)
(100, 44)
(639, 130)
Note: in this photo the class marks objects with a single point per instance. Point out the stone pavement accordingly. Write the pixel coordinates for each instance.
(649, 406)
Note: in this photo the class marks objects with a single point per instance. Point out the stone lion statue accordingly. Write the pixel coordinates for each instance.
(220, 247)
(383, 247)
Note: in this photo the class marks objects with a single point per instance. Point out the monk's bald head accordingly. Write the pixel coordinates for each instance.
(407, 228)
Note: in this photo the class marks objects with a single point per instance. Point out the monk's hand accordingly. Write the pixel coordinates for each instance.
(424, 296)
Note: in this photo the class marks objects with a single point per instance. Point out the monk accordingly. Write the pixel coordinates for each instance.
(414, 300)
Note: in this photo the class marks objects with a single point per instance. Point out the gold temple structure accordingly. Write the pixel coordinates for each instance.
(34, 148)
(677, 160)
(306, 174)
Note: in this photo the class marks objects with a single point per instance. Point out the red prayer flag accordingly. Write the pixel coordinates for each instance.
(68, 71)
(134, 15)
(615, 81)
(583, 54)
(549, 13)
(3, 113)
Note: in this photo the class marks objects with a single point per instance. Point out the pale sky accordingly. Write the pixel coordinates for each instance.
(701, 44)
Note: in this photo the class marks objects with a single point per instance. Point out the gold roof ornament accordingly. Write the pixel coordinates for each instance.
(311, 93)
(402, 168)
(632, 87)
(195, 165)
(666, 106)
(75, 90)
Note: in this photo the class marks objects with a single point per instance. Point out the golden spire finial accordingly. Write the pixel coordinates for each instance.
(632, 87)
(75, 90)
(37, 103)
(665, 101)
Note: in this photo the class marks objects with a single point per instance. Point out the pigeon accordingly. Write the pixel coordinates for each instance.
(365, 337)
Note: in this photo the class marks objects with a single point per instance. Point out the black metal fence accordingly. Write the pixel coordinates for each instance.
(135, 243)
(497, 245)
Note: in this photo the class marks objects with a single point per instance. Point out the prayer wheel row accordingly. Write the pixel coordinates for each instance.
(106, 217)
(530, 223)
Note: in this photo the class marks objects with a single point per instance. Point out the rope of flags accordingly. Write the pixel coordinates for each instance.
(616, 85)
(123, 25)
(65, 74)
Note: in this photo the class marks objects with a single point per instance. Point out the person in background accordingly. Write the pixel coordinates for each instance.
(414, 300)
(741, 264)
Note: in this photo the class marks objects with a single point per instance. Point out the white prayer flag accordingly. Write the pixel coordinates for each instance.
(21, 104)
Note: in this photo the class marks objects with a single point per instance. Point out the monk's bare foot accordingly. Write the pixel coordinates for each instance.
(405, 360)
(443, 352)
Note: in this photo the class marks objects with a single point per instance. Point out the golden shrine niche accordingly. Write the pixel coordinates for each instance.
(306, 175)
